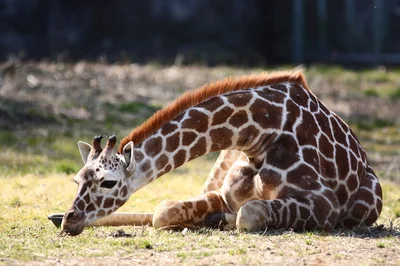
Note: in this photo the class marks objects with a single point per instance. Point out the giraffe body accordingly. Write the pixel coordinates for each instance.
(285, 161)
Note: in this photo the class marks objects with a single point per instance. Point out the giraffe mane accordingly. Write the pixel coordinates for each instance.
(196, 96)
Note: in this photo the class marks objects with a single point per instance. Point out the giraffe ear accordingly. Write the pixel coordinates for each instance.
(129, 158)
(84, 149)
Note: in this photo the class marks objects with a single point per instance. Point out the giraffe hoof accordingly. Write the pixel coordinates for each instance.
(215, 221)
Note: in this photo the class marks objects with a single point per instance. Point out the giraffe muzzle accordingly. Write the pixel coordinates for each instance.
(73, 222)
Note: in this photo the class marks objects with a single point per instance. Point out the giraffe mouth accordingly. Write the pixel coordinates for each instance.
(73, 229)
(73, 225)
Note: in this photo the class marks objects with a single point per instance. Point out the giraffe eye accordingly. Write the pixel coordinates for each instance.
(108, 184)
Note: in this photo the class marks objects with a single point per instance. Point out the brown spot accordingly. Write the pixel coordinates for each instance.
(172, 142)
(222, 115)
(172, 213)
(342, 162)
(323, 108)
(101, 213)
(331, 183)
(365, 195)
(311, 157)
(108, 203)
(266, 115)
(304, 213)
(81, 205)
(168, 168)
(323, 122)
(201, 207)
(339, 135)
(90, 208)
(138, 155)
(168, 128)
(87, 198)
(325, 147)
(109, 212)
(279, 87)
(352, 183)
(246, 189)
(145, 166)
(283, 153)
(124, 192)
(216, 202)
(88, 175)
(311, 224)
(188, 138)
(179, 158)
(199, 148)
(354, 145)
(313, 106)
(321, 210)
(359, 211)
(353, 162)
(197, 121)
(361, 170)
(293, 213)
(224, 166)
(272, 96)
(212, 104)
(292, 115)
(328, 169)
(188, 204)
(342, 194)
(99, 200)
(153, 146)
(238, 119)
(239, 99)
(299, 95)
(343, 125)
(307, 130)
(304, 177)
(162, 162)
(247, 136)
(221, 138)
(271, 180)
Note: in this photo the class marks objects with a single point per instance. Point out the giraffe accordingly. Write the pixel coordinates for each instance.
(286, 161)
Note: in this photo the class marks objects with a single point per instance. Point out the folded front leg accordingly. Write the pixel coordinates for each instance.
(188, 214)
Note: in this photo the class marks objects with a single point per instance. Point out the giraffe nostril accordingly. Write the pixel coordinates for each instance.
(70, 215)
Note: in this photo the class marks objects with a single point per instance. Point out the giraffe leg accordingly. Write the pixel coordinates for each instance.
(221, 167)
(367, 204)
(303, 212)
(190, 214)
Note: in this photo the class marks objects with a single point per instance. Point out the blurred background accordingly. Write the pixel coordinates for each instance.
(74, 69)
(211, 32)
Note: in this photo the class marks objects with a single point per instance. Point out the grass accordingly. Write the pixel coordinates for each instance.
(37, 166)
(28, 235)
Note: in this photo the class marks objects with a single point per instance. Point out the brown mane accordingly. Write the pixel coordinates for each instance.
(194, 97)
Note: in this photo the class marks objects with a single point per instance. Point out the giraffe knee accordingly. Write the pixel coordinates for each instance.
(167, 214)
(252, 216)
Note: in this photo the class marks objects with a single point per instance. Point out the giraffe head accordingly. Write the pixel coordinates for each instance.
(104, 183)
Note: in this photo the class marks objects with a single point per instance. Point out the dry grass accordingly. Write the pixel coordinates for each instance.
(27, 235)
(45, 108)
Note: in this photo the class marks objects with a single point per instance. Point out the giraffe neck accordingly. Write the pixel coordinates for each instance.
(229, 121)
